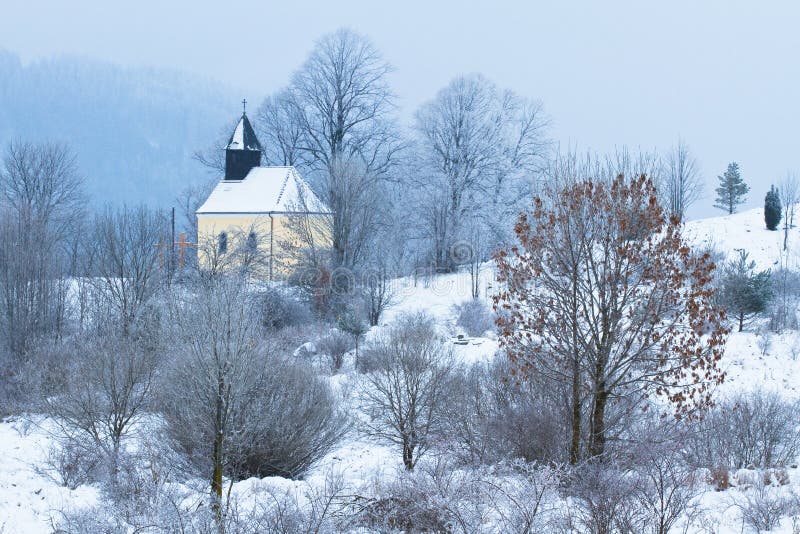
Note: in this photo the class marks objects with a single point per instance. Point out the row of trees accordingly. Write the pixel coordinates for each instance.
(449, 188)
(56, 256)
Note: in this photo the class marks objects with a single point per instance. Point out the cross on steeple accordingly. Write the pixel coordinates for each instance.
(244, 106)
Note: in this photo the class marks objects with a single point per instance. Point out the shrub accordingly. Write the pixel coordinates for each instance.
(606, 500)
(763, 509)
(289, 420)
(783, 308)
(297, 422)
(475, 317)
(435, 498)
(335, 345)
(492, 416)
(280, 308)
(720, 478)
(753, 430)
(405, 396)
(71, 465)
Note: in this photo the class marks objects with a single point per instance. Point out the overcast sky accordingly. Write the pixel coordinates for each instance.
(722, 75)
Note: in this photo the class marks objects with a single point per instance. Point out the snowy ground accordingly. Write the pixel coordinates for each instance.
(747, 231)
(30, 500)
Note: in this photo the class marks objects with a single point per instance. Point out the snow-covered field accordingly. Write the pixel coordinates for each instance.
(30, 500)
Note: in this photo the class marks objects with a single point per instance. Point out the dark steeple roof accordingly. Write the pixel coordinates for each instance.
(243, 152)
(243, 137)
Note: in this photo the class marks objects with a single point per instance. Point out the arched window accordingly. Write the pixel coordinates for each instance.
(252, 242)
(223, 242)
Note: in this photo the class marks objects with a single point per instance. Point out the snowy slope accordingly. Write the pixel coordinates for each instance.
(29, 501)
(746, 231)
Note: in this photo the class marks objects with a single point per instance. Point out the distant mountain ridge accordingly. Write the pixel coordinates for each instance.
(134, 130)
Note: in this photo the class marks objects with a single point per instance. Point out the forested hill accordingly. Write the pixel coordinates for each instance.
(133, 129)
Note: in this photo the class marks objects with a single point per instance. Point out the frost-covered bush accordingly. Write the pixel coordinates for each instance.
(475, 317)
(288, 419)
(335, 344)
(750, 430)
(605, 500)
(783, 308)
(405, 395)
(71, 464)
(763, 508)
(281, 308)
(435, 498)
(492, 416)
(296, 421)
(665, 486)
(442, 497)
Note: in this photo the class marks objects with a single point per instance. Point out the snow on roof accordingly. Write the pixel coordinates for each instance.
(244, 137)
(264, 190)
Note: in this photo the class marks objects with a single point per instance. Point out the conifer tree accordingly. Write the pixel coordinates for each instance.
(731, 190)
(772, 209)
(745, 292)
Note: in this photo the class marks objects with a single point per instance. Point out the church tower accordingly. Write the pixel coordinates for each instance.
(243, 151)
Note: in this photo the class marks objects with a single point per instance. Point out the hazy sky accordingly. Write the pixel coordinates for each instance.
(722, 75)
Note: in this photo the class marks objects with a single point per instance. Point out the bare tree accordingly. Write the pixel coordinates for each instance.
(281, 130)
(188, 201)
(214, 377)
(32, 284)
(42, 180)
(376, 286)
(405, 394)
(105, 391)
(342, 104)
(235, 407)
(680, 184)
(40, 207)
(213, 156)
(123, 260)
(789, 192)
(477, 143)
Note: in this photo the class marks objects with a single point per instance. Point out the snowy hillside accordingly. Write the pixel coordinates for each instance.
(747, 231)
(32, 501)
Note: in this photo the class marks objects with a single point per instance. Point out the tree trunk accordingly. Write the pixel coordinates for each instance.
(216, 479)
(785, 232)
(575, 444)
(408, 455)
(597, 443)
(216, 475)
(741, 322)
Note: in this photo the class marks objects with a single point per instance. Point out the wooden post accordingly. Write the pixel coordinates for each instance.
(182, 245)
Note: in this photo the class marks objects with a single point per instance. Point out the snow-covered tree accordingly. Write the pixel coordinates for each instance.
(41, 207)
(107, 385)
(478, 149)
(405, 391)
(234, 405)
(745, 292)
(338, 110)
(123, 259)
(731, 190)
(680, 184)
(789, 190)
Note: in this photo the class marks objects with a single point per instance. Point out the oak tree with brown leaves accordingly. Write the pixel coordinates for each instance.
(602, 292)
